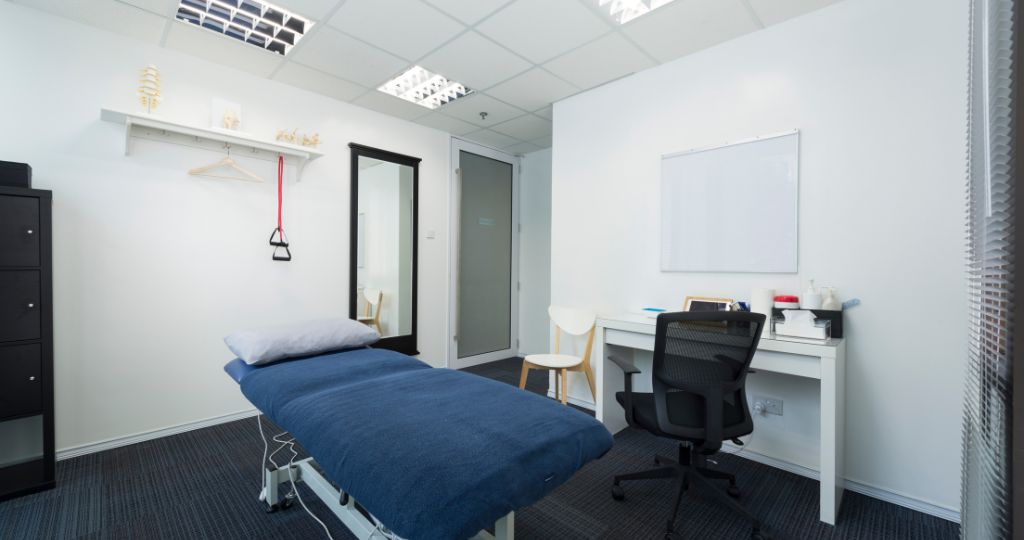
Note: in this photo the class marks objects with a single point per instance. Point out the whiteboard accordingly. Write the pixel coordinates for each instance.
(731, 208)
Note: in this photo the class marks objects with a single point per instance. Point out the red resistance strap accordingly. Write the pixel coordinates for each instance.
(281, 241)
(280, 196)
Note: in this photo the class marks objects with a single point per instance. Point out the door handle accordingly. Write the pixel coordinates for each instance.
(457, 227)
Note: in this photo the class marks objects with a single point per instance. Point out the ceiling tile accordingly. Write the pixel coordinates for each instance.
(447, 124)
(684, 27)
(600, 61)
(521, 148)
(160, 7)
(470, 107)
(408, 28)
(329, 50)
(310, 9)
(469, 11)
(546, 112)
(475, 62)
(221, 49)
(109, 15)
(525, 127)
(381, 102)
(542, 29)
(776, 11)
(317, 81)
(491, 138)
(532, 90)
(543, 142)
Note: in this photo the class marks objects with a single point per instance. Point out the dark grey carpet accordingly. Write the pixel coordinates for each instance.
(204, 484)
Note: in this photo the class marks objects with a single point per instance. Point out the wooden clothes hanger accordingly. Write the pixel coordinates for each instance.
(243, 173)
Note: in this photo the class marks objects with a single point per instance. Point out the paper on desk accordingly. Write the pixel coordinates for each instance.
(799, 317)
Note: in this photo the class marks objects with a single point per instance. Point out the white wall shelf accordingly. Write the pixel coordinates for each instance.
(148, 126)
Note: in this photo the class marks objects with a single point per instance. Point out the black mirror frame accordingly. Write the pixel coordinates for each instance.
(404, 344)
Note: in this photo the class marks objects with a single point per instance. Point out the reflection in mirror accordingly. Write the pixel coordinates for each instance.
(384, 253)
(382, 277)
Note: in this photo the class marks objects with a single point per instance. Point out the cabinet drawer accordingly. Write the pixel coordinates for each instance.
(19, 231)
(19, 305)
(21, 385)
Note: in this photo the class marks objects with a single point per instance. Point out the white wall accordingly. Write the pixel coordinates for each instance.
(534, 251)
(153, 267)
(877, 89)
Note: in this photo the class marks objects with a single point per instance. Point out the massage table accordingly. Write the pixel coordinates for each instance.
(427, 453)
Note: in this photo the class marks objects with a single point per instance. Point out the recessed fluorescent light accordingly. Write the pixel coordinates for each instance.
(424, 88)
(623, 11)
(251, 21)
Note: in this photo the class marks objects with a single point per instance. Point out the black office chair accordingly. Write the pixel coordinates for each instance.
(701, 361)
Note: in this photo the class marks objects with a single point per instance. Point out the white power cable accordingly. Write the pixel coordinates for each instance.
(291, 478)
(290, 444)
(263, 463)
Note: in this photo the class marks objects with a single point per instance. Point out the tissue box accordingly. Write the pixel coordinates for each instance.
(835, 317)
(821, 329)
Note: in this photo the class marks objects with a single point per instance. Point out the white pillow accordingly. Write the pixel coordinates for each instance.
(265, 345)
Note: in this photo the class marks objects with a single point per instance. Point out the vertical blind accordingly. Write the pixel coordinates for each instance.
(986, 468)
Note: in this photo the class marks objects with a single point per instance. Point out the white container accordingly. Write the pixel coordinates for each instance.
(831, 301)
(762, 301)
(811, 298)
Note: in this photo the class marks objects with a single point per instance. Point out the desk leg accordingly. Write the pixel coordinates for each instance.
(609, 381)
(833, 416)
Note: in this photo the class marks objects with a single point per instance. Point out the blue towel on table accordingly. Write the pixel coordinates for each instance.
(433, 453)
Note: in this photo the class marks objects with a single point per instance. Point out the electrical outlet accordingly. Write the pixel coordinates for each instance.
(768, 405)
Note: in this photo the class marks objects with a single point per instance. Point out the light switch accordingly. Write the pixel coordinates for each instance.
(430, 234)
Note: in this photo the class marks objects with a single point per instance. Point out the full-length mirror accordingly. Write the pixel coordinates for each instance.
(382, 292)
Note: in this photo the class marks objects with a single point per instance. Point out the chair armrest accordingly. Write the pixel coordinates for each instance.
(628, 370)
(626, 366)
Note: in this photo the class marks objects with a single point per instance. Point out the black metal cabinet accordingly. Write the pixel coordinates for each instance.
(26, 342)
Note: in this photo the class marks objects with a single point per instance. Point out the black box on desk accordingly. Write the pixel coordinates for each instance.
(836, 316)
(15, 174)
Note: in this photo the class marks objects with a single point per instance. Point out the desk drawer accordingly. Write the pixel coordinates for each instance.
(21, 385)
(792, 364)
(632, 340)
(19, 231)
(19, 305)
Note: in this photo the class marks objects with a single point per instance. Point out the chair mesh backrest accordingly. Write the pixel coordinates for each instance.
(705, 348)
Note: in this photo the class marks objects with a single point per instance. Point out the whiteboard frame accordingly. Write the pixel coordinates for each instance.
(794, 131)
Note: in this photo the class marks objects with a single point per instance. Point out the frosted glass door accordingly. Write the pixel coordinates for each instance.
(485, 255)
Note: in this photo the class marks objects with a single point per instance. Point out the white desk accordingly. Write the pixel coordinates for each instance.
(825, 363)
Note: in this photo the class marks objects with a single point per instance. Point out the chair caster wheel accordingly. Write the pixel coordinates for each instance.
(617, 493)
(734, 492)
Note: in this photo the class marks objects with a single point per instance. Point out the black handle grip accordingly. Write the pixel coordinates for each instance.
(287, 253)
(282, 241)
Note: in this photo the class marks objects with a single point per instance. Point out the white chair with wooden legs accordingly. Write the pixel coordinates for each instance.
(371, 314)
(575, 322)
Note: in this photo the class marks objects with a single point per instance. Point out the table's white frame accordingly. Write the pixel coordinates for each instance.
(825, 363)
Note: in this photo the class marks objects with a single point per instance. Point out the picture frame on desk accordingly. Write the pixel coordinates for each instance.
(706, 303)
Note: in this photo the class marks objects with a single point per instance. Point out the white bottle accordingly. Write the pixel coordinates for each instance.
(811, 298)
(831, 301)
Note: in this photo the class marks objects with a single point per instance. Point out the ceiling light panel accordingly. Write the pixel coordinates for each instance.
(424, 88)
(623, 11)
(254, 22)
